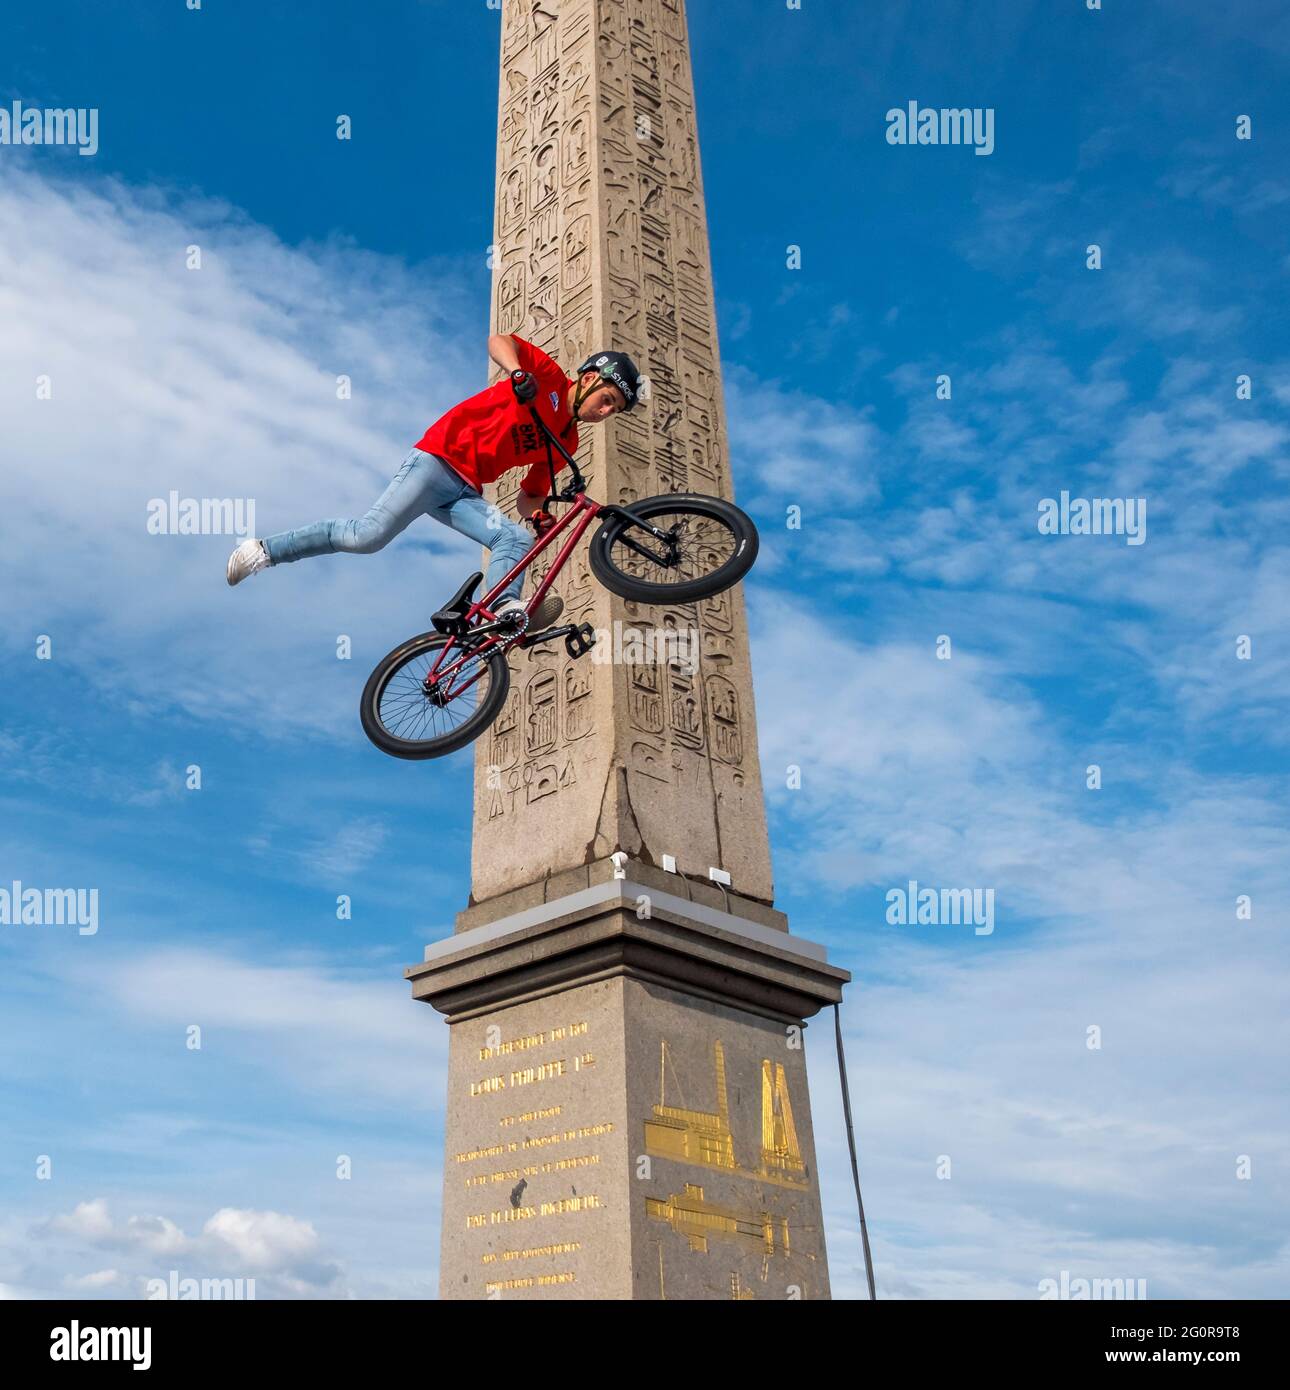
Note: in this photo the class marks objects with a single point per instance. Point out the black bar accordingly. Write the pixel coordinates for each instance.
(963, 1337)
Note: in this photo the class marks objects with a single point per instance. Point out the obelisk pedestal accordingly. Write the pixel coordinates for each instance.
(628, 1114)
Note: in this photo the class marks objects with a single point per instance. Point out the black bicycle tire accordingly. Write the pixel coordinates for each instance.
(642, 591)
(418, 750)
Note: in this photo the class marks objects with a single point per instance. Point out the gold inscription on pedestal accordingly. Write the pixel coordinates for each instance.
(563, 1247)
(543, 1141)
(590, 1131)
(780, 1151)
(532, 1282)
(691, 1215)
(695, 1136)
(705, 1137)
(467, 1155)
(539, 1141)
(520, 1044)
(532, 1170)
(527, 1076)
(563, 1206)
(530, 1115)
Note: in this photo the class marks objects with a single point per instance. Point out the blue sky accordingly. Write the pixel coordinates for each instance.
(1116, 908)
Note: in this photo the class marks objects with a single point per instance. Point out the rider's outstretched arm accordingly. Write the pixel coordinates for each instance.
(501, 348)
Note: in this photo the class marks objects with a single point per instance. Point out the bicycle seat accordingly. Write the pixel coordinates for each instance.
(448, 619)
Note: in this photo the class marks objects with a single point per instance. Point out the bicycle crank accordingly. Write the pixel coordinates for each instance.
(579, 638)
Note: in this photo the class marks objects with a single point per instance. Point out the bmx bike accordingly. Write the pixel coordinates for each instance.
(438, 691)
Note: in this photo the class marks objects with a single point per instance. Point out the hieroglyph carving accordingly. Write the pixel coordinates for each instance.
(600, 238)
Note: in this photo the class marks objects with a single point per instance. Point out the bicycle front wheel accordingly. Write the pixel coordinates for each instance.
(712, 546)
(406, 720)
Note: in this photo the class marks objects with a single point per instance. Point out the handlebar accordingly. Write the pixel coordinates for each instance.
(578, 483)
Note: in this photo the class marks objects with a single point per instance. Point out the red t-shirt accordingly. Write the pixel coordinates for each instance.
(491, 433)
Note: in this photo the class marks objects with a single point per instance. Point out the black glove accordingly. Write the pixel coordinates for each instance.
(542, 521)
(524, 384)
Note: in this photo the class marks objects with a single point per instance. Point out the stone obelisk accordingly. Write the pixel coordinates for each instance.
(627, 1104)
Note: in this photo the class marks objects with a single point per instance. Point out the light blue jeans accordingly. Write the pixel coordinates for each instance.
(425, 484)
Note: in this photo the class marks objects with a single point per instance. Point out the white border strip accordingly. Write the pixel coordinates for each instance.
(627, 892)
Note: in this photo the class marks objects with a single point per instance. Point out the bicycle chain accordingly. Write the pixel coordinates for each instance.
(519, 631)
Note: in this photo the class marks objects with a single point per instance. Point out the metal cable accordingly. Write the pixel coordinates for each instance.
(851, 1143)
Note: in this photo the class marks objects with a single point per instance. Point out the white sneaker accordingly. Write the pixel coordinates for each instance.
(547, 611)
(249, 558)
(509, 605)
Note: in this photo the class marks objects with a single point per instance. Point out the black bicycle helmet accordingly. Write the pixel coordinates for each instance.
(619, 370)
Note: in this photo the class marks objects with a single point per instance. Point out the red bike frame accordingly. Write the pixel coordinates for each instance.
(582, 512)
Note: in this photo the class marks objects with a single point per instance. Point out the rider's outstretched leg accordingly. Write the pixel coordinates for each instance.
(409, 494)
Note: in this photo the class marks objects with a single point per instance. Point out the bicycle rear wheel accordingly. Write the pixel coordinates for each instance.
(404, 720)
(713, 546)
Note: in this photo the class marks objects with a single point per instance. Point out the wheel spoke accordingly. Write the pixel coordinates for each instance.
(406, 711)
(703, 545)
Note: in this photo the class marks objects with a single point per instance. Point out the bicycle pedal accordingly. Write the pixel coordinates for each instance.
(580, 641)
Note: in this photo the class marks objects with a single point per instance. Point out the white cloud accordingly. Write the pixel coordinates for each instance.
(218, 382)
(1113, 1163)
(90, 1283)
(327, 856)
(376, 1041)
(790, 440)
(1118, 1161)
(92, 1222)
(282, 1253)
(155, 1234)
(264, 1239)
(87, 1219)
(950, 766)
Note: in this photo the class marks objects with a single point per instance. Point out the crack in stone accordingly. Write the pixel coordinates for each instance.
(589, 853)
(616, 769)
